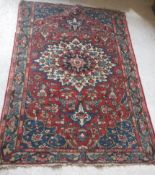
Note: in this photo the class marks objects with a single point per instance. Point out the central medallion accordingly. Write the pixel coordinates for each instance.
(75, 63)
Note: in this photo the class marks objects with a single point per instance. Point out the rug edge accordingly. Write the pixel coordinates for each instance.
(74, 5)
(61, 165)
(133, 56)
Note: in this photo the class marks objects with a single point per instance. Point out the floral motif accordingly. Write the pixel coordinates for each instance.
(81, 116)
(41, 137)
(75, 64)
(74, 23)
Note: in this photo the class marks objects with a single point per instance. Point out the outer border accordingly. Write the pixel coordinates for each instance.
(133, 57)
(10, 77)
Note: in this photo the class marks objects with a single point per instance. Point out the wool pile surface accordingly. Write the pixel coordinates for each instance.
(74, 94)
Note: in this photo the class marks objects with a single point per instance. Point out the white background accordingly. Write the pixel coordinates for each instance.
(141, 22)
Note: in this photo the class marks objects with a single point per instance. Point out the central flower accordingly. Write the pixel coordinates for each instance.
(75, 63)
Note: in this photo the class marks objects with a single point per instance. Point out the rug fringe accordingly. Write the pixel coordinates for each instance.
(80, 165)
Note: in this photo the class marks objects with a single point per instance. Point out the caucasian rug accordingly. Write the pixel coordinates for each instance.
(74, 94)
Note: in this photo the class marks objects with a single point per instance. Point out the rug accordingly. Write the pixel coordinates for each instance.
(74, 94)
